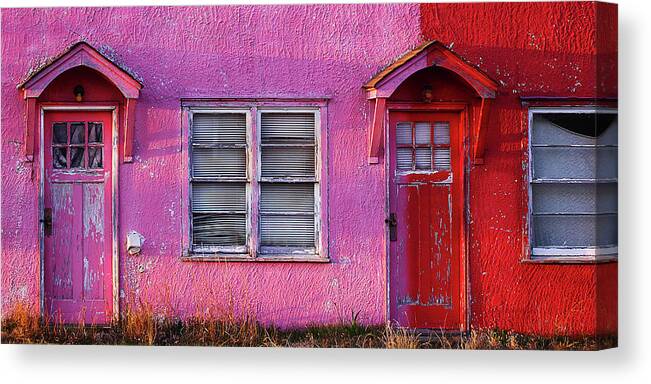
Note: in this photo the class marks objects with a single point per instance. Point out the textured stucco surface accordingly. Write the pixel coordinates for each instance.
(261, 51)
(312, 51)
(532, 49)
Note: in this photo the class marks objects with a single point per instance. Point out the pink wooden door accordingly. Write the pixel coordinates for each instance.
(78, 217)
(425, 220)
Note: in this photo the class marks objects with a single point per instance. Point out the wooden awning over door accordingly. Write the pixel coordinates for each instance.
(80, 54)
(432, 53)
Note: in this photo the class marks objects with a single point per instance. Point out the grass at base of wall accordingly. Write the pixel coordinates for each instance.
(142, 327)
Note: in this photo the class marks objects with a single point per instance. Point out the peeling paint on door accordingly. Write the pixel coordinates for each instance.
(425, 261)
(77, 271)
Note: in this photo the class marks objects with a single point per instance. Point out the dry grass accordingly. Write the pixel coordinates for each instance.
(400, 338)
(141, 326)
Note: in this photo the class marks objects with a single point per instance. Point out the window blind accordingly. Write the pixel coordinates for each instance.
(423, 146)
(288, 179)
(218, 180)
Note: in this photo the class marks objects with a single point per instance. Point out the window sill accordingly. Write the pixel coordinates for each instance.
(261, 258)
(570, 259)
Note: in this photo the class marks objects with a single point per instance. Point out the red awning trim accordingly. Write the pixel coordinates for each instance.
(432, 53)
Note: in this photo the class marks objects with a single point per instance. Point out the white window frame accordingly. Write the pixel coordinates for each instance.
(253, 251)
(221, 249)
(561, 254)
(292, 251)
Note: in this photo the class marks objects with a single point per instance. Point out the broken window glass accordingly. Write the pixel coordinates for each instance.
(95, 157)
(574, 183)
(77, 133)
(59, 157)
(94, 132)
(60, 133)
(76, 157)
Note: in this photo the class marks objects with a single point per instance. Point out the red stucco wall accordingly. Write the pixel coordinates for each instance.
(533, 49)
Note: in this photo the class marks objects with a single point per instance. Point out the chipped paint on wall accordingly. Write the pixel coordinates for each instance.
(546, 49)
(329, 59)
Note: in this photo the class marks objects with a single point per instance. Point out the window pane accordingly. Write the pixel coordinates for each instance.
(574, 198)
(60, 133)
(575, 231)
(423, 158)
(423, 133)
(570, 128)
(609, 137)
(574, 214)
(442, 132)
(287, 231)
(575, 163)
(95, 157)
(216, 229)
(287, 127)
(77, 135)
(207, 197)
(403, 133)
(76, 157)
(219, 162)
(94, 132)
(441, 158)
(287, 197)
(219, 128)
(404, 158)
(59, 157)
(287, 161)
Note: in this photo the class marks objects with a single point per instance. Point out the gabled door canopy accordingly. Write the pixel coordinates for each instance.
(432, 53)
(80, 54)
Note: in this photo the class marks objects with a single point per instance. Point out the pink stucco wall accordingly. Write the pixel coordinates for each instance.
(261, 51)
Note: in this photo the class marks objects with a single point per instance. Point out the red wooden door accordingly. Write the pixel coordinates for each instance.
(425, 220)
(78, 217)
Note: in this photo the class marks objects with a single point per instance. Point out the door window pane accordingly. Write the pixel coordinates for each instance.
(404, 158)
(60, 133)
(77, 133)
(441, 132)
(70, 146)
(59, 159)
(94, 132)
(423, 133)
(403, 133)
(95, 157)
(76, 157)
(423, 158)
(442, 158)
(425, 148)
